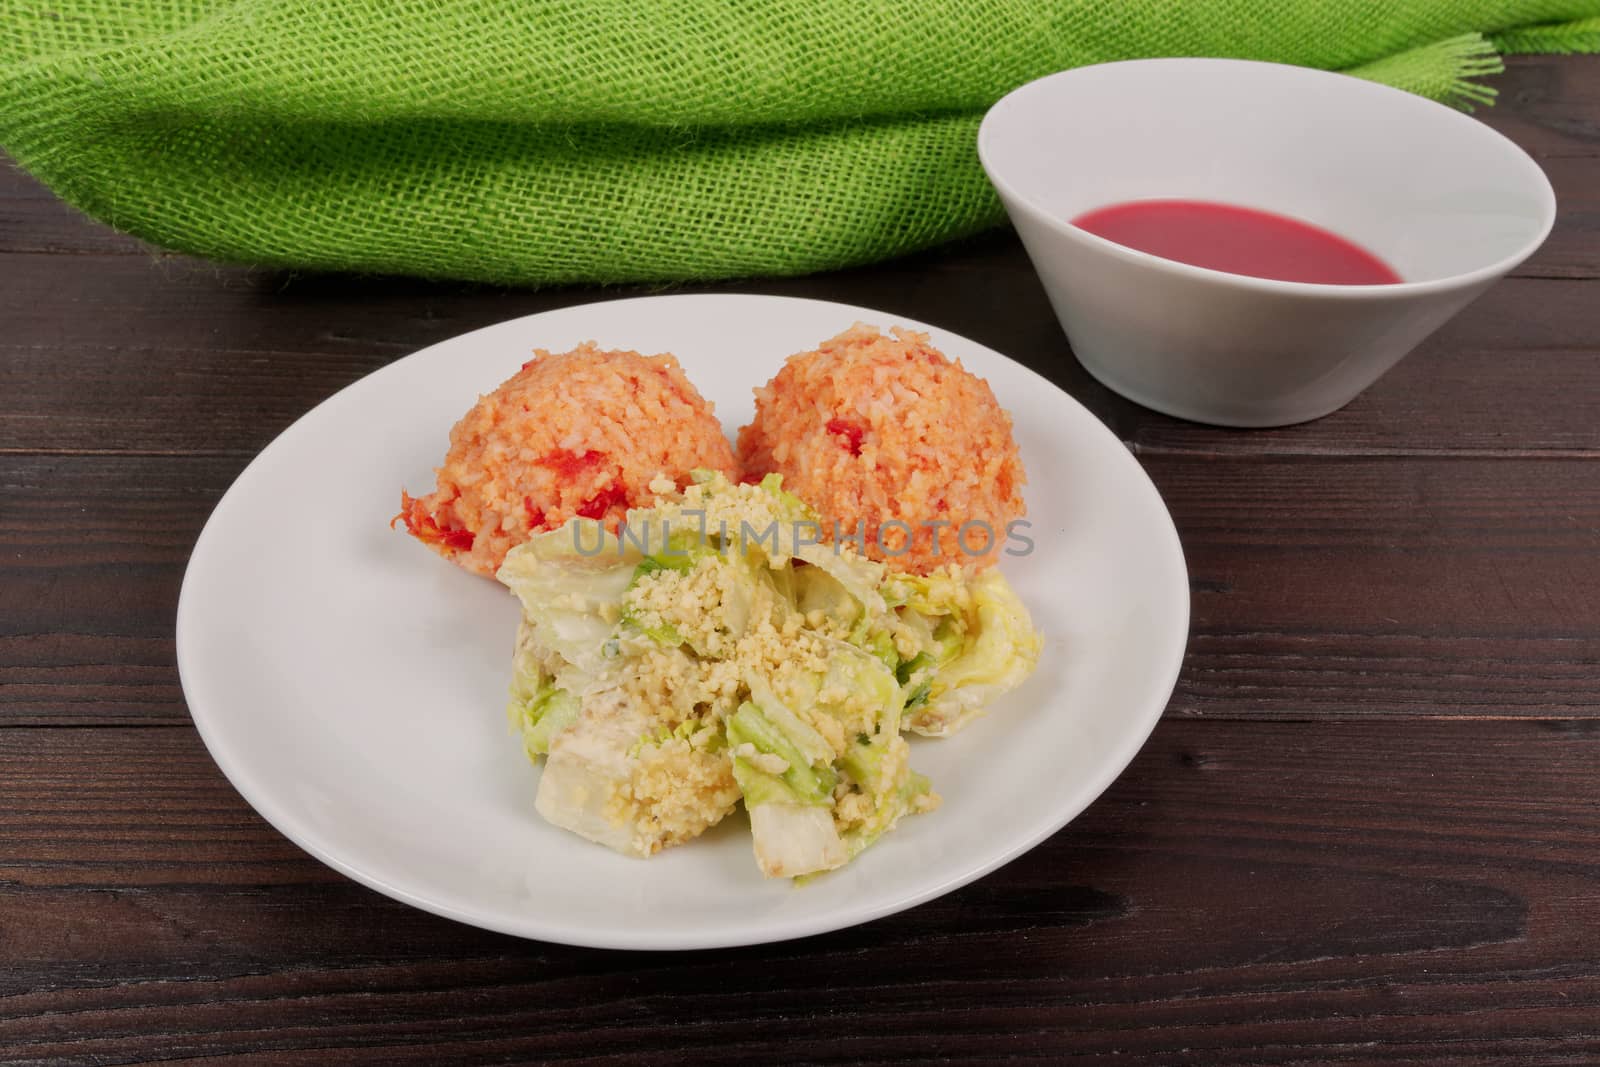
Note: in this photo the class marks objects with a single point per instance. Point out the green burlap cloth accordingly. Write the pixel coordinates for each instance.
(537, 141)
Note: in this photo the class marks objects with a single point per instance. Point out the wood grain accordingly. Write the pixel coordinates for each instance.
(220, 362)
(1330, 587)
(1550, 106)
(1429, 895)
(1351, 586)
(92, 560)
(33, 220)
(1367, 832)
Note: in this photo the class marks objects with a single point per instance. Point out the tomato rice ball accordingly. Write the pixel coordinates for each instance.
(578, 433)
(876, 431)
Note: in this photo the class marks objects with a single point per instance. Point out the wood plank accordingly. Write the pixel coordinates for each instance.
(33, 220)
(85, 303)
(219, 362)
(1322, 588)
(222, 358)
(1354, 587)
(93, 557)
(1391, 859)
(140, 399)
(1456, 395)
(1550, 106)
(1572, 249)
(1378, 892)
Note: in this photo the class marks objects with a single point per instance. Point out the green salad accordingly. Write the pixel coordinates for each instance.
(717, 652)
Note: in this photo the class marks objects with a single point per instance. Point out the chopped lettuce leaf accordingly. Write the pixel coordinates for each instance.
(662, 562)
(804, 780)
(538, 708)
(662, 633)
(810, 739)
(999, 651)
(792, 840)
(892, 804)
(572, 600)
(554, 713)
(804, 737)
(589, 767)
(944, 592)
(530, 679)
(790, 507)
(879, 643)
(814, 589)
(940, 645)
(858, 576)
(600, 783)
(853, 673)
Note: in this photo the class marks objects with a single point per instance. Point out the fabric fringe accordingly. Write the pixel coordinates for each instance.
(1446, 71)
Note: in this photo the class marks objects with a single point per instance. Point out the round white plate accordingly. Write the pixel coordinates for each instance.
(352, 685)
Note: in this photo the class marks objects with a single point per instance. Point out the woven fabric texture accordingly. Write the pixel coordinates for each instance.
(544, 141)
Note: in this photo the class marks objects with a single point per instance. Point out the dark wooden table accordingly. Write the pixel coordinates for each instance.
(1367, 830)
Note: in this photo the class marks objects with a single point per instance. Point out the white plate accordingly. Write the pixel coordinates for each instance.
(352, 685)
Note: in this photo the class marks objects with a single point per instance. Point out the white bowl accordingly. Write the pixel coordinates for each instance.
(1447, 202)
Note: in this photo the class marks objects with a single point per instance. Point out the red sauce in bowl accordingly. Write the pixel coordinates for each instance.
(1238, 240)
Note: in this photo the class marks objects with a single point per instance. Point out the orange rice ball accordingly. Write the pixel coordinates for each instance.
(877, 431)
(581, 433)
